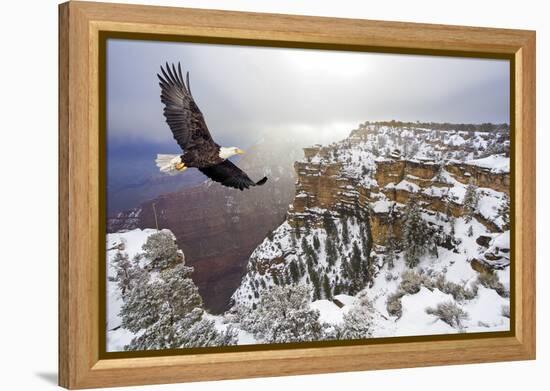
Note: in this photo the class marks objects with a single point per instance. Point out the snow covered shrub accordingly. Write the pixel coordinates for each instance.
(393, 304)
(411, 281)
(161, 249)
(193, 330)
(490, 280)
(358, 321)
(283, 315)
(197, 331)
(450, 313)
(458, 291)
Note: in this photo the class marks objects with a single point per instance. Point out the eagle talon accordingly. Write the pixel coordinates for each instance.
(180, 166)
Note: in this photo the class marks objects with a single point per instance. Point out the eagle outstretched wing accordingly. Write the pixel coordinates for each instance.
(230, 175)
(182, 113)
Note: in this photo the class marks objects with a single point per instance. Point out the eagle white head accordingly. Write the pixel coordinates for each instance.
(227, 152)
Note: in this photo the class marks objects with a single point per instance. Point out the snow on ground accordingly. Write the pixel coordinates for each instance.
(329, 312)
(243, 337)
(485, 312)
(415, 320)
(496, 163)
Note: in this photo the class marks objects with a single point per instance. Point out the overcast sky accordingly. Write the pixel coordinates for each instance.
(247, 92)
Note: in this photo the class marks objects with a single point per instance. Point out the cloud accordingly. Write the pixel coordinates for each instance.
(248, 92)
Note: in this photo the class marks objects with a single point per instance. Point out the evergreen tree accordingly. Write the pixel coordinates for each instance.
(308, 251)
(297, 232)
(326, 287)
(288, 279)
(283, 315)
(390, 256)
(316, 243)
(150, 298)
(315, 281)
(470, 231)
(355, 261)
(161, 249)
(293, 239)
(301, 265)
(345, 231)
(331, 251)
(470, 201)
(126, 272)
(358, 321)
(504, 212)
(345, 270)
(294, 271)
(307, 227)
(452, 224)
(415, 234)
(165, 311)
(329, 225)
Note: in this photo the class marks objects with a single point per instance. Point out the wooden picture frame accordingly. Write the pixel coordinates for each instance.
(81, 162)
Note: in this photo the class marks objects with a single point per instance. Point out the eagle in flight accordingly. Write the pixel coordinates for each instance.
(191, 133)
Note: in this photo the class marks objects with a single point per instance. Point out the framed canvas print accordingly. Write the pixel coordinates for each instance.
(248, 195)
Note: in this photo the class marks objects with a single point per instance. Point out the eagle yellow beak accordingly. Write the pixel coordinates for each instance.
(240, 151)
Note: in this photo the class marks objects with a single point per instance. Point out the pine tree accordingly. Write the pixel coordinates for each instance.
(283, 315)
(297, 232)
(315, 281)
(415, 234)
(470, 231)
(330, 250)
(345, 231)
(470, 201)
(326, 287)
(288, 279)
(294, 271)
(329, 225)
(390, 255)
(316, 243)
(161, 249)
(301, 265)
(358, 321)
(355, 261)
(307, 227)
(452, 224)
(504, 212)
(293, 239)
(126, 272)
(167, 310)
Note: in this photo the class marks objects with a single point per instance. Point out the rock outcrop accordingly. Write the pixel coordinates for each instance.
(351, 196)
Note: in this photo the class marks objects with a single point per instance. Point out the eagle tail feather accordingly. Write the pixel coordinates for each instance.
(166, 163)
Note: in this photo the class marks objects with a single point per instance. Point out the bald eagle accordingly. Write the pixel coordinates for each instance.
(191, 133)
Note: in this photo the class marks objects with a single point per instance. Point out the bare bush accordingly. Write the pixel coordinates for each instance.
(393, 304)
(491, 281)
(450, 313)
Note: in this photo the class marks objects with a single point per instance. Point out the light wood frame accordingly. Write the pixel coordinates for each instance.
(80, 24)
